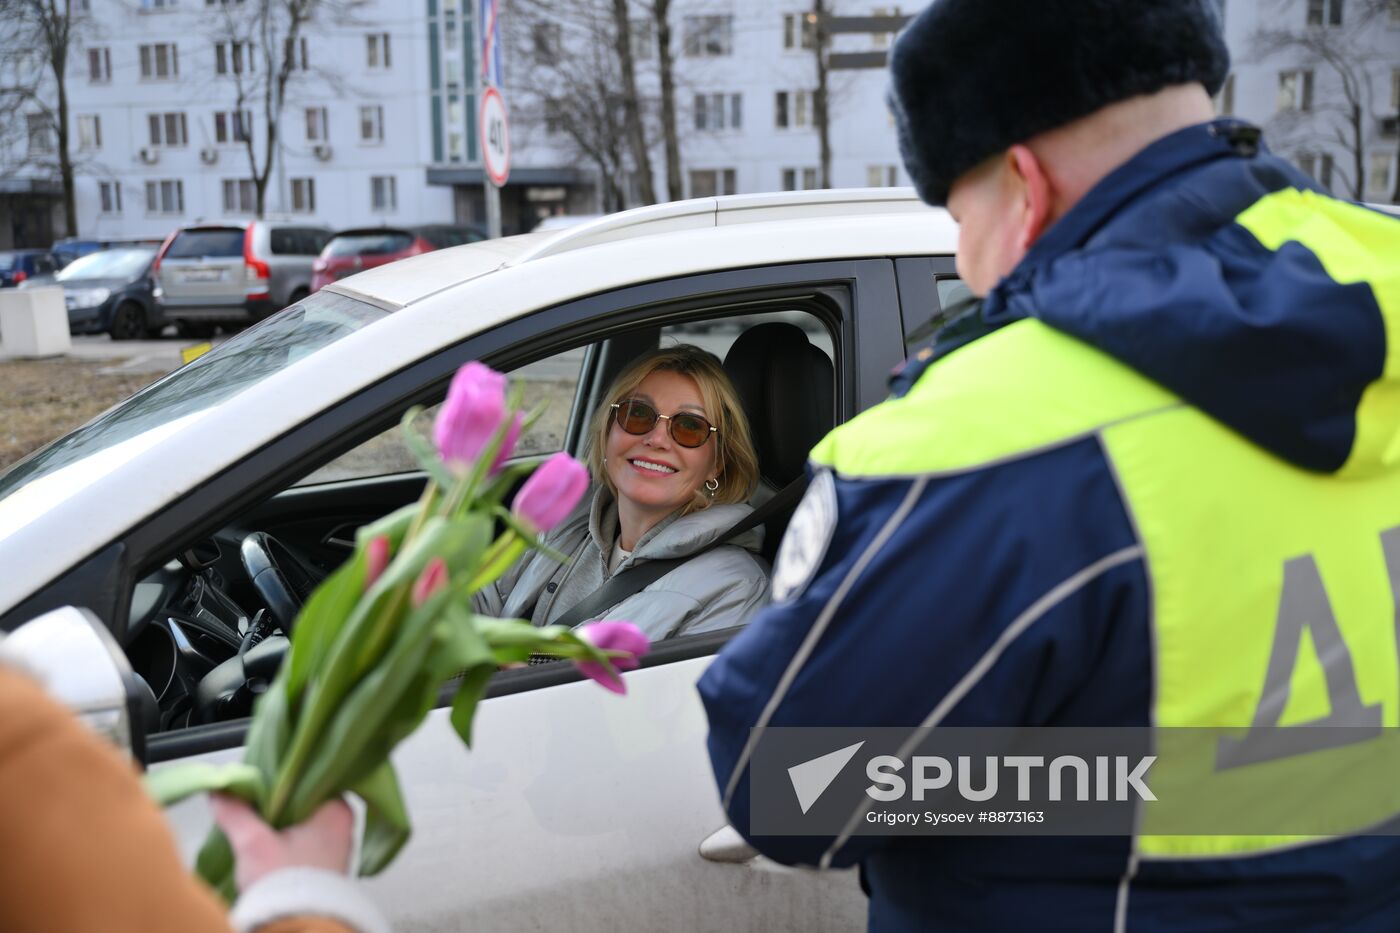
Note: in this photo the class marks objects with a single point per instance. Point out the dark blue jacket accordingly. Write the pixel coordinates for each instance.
(1152, 268)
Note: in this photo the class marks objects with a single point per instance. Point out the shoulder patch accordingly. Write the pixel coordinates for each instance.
(808, 535)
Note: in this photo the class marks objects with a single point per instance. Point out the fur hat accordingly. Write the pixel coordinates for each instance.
(969, 78)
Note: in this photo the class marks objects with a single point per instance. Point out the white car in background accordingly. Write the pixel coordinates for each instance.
(576, 809)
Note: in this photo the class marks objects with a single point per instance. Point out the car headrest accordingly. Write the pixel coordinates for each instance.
(788, 391)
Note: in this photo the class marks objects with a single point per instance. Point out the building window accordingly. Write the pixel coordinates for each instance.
(233, 126)
(160, 61)
(377, 50)
(240, 196)
(304, 195)
(99, 65)
(791, 108)
(40, 132)
(167, 129)
(719, 111)
(1324, 12)
(1395, 12)
(1225, 100)
(90, 132)
(553, 117)
(372, 124)
(382, 193)
(165, 197)
(799, 30)
(111, 195)
(1395, 90)
(295, 52)
(1378, 178)
(807, 176)
(882, 176)
(158, 4)
(707, 183)
(1295, 90)
(708, 36)
(643, 38)
(546, 40)
(318, 128)
(233, 58)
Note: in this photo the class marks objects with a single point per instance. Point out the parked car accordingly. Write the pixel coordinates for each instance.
(234, 274)
(21, 265)
(112, 292)
(352, 251)
(575, 808)
(70, 248)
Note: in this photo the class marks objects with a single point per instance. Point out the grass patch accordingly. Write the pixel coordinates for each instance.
(45, 399)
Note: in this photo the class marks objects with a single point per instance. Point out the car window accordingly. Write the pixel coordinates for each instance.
(206, 244)
(43, 265)
(296, 241)
(108, 264)
(370, 244)
(718, 335)
(552, 381)
(245, 360)
(7, 261)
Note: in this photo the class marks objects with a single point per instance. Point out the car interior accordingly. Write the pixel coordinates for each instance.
(206, 628)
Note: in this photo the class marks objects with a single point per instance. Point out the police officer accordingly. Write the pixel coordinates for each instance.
(1152, 481)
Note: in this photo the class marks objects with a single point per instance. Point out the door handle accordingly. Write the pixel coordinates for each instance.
(726, 845)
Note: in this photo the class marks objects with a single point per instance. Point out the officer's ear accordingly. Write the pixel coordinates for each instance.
(1034, 190)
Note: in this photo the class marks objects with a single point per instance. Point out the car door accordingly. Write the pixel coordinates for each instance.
(575, 808)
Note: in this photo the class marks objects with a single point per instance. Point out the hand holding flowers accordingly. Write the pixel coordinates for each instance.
(379, 639)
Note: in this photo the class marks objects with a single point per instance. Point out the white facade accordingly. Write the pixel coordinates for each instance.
(1299, 99)
(190, 166)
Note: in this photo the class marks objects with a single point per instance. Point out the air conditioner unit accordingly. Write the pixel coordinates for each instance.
(1390, 127)
(209, 155)
(149, 155)
(322, 152)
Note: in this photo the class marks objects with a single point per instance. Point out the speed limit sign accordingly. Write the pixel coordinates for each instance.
(495, 137)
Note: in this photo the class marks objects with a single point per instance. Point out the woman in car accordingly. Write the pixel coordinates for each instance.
(672, 464)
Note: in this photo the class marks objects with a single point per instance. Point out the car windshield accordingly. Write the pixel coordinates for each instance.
(379, 243)
(7, 261)
(198, 244)
(109, 264)
(242, 362)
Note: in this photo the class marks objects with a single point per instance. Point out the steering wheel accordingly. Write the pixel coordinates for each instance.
(283, 580)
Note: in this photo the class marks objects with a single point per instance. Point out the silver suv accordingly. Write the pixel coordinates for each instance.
(234, 273)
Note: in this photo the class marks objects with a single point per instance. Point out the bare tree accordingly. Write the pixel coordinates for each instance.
(661, 16)
(264, 53)
(1348, 54)
(38, 38)
(631, 103)
(821, 100)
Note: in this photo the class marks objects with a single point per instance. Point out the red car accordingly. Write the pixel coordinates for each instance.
(351, 251)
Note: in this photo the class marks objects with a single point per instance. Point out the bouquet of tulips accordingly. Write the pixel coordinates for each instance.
(377, 641)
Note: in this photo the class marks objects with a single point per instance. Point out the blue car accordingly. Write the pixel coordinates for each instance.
(20, 265)
(112, 292)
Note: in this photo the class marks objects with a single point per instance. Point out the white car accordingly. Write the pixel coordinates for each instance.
(577, 809)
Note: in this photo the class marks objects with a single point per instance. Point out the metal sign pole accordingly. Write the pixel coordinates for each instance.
(485, 18)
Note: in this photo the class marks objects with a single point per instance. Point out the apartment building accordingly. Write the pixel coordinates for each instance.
(1322, 77)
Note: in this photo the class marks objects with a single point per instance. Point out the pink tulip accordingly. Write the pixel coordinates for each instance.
(432, 579)
(551, 492)
(474, 410)
(613, 636)
(376, 559)
(508, 443)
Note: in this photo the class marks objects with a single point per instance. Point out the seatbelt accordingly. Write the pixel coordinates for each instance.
(635, 579)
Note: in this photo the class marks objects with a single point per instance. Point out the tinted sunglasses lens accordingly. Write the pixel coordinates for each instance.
(636, 417)
(689, 430)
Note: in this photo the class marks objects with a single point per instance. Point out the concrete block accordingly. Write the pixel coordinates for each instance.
(33, 322)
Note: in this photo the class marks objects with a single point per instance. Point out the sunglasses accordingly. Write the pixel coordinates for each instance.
(637, 417)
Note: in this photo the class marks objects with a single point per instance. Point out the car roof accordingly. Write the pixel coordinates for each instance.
(903, 226)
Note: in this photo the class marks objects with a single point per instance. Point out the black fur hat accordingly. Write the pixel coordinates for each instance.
(968, 78)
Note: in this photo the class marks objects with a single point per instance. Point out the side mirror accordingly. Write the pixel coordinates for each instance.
(81, 665)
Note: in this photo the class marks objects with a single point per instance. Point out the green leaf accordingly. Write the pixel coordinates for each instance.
(386, 819)
(392, 526)
(171, 785)
(468, 695)
(460, 647)
(424, 451)
(321, 620)
(271, 729)
(215, 865)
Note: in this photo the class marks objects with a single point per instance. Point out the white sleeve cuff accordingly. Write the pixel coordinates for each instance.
(299, 892)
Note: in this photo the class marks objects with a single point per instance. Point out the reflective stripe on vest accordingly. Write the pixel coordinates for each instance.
(1274, 590)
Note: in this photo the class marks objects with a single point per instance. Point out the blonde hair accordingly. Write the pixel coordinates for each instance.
(735, 457)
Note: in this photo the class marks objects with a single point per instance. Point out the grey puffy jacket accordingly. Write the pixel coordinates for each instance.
(718, 589)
